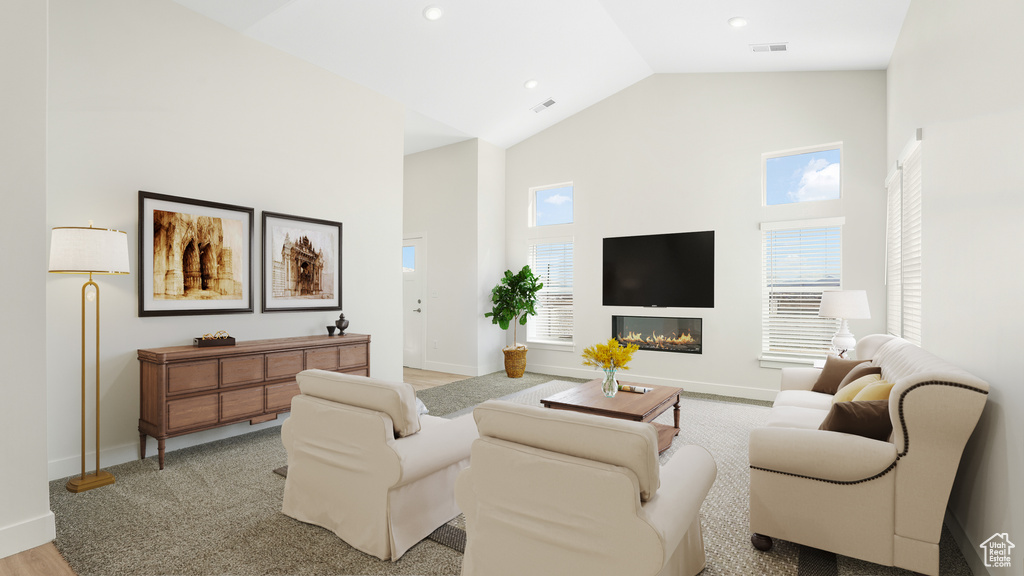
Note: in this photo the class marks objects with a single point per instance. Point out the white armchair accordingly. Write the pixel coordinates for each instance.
(561, 493)
(364, 464)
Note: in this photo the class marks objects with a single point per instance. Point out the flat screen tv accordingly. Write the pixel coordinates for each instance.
(660, 270)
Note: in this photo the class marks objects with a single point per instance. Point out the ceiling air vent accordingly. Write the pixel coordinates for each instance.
(776, 47)
(543, 105)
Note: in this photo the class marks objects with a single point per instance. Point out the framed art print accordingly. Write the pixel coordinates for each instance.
(301, 263)
(195, 257)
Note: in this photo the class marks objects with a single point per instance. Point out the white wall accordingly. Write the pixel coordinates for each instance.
(440, 206)
(677, 153)
(147, 95)
(490, 255)
(955, 73)
(454, 199)
(25, 517)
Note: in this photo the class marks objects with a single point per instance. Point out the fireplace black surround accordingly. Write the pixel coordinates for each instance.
(659, 334)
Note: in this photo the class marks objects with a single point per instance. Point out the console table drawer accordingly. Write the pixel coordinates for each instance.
(192, 412)
(191, 377)
(284, 364)
(187, 389)
(353, 356)
(241, 370)
(279, 396)
(239, 403)
(322, 358)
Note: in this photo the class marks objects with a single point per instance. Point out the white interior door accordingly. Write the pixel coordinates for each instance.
(413, 276)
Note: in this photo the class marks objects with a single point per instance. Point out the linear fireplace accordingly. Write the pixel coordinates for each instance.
(660, 334)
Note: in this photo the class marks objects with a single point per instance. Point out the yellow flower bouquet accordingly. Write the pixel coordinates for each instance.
(613, 355)
(609, 357)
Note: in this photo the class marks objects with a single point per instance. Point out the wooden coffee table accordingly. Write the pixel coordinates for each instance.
(589, 398)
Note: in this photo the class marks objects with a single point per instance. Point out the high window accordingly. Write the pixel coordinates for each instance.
(550, 255)
(551, 205)
(800, 260)
(803, 175)
(903, 246)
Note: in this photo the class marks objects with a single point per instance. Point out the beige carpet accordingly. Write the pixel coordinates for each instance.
(215, 510)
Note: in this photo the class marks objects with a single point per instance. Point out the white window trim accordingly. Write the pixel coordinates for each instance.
(767, 359)
(531, 216)
(906, 325)
(765, 157)
(544, 344)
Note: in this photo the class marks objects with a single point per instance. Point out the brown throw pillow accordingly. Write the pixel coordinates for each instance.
(858, 371)
(832, 374)
(869, 419)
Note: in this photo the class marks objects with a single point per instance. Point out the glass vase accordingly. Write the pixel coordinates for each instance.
(610, 386)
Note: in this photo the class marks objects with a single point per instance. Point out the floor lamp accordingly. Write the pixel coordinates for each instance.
(89, 251)
(845, 305)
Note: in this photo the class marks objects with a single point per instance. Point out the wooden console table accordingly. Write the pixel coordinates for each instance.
(185, 389)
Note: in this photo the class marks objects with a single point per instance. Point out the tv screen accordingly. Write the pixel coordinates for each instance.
(660, 270)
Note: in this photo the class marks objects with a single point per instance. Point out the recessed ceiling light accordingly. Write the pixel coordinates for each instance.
(433, 12)
(737, 22)
(531, 84)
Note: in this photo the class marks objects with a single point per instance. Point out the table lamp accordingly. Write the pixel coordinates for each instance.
(845, 305)
(89, 251)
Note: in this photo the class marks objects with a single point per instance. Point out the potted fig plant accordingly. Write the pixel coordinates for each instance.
(514, 299)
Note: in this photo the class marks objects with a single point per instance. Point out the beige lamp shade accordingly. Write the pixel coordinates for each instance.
(88, 250)
(846, 304)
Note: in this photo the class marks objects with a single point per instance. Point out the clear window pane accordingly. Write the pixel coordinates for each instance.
(408, 258)
(807, 177)
(553, 206)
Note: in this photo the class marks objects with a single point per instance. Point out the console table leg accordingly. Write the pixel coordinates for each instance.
(142, 446)
(160, 448)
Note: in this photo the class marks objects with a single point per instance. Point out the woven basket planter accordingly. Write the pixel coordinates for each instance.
(515, 361)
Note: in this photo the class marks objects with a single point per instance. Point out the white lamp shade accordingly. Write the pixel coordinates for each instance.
(88, 250)
(847, 304)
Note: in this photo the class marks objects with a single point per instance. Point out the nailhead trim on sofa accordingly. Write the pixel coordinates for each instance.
(906, 438)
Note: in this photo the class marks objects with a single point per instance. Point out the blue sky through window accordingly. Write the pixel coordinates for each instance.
(408, 258)
(804, 177)
(554, 206)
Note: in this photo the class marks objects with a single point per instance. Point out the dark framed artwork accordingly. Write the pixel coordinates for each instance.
(195, 257)
(301, 263)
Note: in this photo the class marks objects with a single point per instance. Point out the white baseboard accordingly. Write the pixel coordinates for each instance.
(27, 534)
(971, 552)
(451, 368)
(687, 385)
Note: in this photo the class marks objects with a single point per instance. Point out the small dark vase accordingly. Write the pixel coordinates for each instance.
(330, 330)
(342, 324)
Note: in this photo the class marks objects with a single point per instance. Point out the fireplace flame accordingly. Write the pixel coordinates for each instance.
(657, 341)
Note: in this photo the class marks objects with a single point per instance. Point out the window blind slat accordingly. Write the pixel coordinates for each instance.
(553, 264)
(798, 264)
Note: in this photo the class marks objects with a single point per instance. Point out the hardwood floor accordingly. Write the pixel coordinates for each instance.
(46, 561)
(423, 379)
(39, 561)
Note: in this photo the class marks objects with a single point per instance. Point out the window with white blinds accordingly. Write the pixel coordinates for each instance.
(903, 247)
(894, 253)
(800, 260)
(552, 263)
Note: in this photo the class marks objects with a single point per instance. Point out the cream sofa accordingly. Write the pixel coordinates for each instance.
(363, 463)
(563, 493)
(881, 501)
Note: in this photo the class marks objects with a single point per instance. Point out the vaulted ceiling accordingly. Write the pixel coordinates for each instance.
(463, 75)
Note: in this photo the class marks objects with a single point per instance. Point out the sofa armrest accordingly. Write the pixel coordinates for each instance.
(819, 454)
(685, 481)
(439, 444)
(799, 378)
